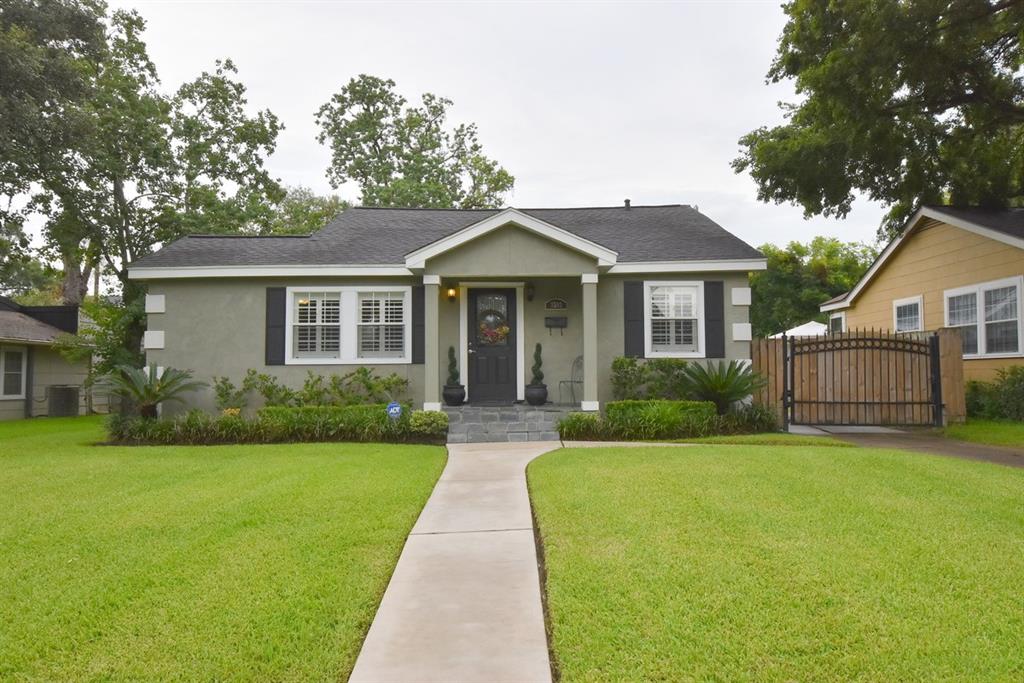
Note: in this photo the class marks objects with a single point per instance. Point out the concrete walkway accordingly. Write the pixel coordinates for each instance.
(464, 603)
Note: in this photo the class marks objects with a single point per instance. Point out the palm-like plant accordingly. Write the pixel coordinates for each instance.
(724, 384)
(147, 388)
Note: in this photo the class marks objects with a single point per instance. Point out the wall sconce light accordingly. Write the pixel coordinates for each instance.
(529, 291)
(451, 294)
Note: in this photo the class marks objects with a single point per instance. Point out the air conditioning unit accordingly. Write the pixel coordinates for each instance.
(63, 401)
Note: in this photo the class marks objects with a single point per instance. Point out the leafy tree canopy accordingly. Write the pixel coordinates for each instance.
(800, 277)
(126, 166)
(402, 155)
(301, 212)
(906, 102)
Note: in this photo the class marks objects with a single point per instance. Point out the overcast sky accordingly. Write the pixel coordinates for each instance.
(585, 103)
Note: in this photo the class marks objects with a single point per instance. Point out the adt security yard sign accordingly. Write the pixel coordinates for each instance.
(394, 410)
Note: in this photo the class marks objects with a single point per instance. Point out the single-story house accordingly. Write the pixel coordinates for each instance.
(949, 267)
(393, 289)
(35, 377)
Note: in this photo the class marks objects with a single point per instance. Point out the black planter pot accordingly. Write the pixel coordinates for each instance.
(536, 394)
(453, 394)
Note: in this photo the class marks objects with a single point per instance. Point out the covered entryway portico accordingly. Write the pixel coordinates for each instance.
(494, 290)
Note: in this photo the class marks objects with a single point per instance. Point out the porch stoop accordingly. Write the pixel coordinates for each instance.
(496, 424)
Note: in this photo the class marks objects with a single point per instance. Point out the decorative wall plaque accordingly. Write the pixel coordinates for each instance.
(555, 305)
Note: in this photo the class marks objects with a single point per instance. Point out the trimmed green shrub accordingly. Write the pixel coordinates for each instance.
(654, 419)
(278, 424)
(664, 420)
(666, 379)
(581, 427)
(1002, 399)
(628, 378)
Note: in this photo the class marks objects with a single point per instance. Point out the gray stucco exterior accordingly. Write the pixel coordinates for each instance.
(214, 323)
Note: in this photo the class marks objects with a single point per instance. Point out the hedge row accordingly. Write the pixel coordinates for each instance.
(360, 423)
(663, 420)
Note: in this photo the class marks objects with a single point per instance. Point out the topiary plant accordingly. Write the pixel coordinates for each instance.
(538, 376)
(453, 368)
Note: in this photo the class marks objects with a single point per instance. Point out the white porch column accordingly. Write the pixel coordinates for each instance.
(589, 281)
(431, 359)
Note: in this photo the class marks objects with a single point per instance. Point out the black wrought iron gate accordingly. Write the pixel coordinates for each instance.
(862, 378)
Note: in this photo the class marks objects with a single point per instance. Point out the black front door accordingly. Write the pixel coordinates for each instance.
(492, 345)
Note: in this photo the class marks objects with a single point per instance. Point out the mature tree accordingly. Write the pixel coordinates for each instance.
(800, 277)
(46, 47)
(29, 281)
(301, 212)
(403, 155)
(906, 102)
(143, 167)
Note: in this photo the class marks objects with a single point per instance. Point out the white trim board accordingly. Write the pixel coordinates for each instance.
(170, 273)
(740, 265)
(923, 212)
(605, 257)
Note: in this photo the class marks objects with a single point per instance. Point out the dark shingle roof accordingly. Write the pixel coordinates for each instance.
(16, 326)
(1006, 221)
(362, 235)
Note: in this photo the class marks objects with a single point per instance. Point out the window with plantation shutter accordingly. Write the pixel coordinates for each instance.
(382, 324)
(342, 325)
(674, 319)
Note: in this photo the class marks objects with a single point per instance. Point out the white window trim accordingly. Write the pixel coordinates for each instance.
(979, 291)
(842, 316)
(919, 300)
(349, 352)
(649, 352)
(24, 371)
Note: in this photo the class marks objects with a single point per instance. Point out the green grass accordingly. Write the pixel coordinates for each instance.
(195, 563)
(993, 432)
(783, 564)
(771, 439)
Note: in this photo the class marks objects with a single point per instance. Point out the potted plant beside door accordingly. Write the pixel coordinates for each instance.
(454, 394)
(536, 390)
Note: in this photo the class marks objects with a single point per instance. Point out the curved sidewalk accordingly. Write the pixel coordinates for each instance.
(464, 603)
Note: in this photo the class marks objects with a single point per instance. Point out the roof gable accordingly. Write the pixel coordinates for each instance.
(605, 257)
(1005, 226)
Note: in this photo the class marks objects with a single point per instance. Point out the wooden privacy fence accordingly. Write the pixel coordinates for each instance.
(863, 377)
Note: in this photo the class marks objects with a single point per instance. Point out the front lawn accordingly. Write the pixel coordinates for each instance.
(195, 563)
(771, 439)
(780, 564)
(992, 432)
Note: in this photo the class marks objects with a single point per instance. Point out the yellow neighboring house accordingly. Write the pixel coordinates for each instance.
(950, 267)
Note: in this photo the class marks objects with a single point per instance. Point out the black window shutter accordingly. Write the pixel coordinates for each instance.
(714, 318)
(633, 307)
(275, 325)
(418, 325)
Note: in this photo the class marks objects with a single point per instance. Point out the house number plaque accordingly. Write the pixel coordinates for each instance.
(555, 305)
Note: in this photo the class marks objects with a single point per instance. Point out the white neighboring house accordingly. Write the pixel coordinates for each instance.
(808, 329)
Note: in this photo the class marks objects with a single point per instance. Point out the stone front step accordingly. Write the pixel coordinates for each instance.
(494, 424)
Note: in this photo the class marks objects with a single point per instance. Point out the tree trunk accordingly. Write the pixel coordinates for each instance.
(76, 281)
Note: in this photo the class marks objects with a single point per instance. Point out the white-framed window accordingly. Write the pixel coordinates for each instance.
(674, 319)
(348, 325)
(908, 314)
(989, 316)
(381, 324)
(837, 322)
(316, 324)
(13, 360)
